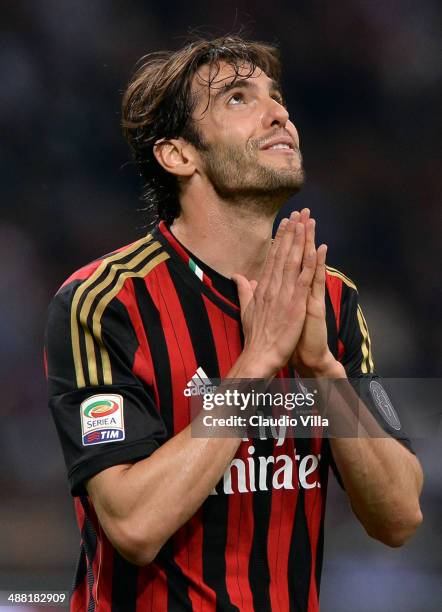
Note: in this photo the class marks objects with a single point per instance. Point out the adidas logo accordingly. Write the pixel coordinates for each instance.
(199, 384)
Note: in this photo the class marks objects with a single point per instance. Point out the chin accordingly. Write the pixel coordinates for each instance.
(291, 177)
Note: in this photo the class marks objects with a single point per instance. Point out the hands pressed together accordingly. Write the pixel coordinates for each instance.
(283, 314)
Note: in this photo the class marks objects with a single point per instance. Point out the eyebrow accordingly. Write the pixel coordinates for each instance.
(245, 84)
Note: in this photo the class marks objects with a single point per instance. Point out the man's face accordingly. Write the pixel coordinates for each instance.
(250, 148)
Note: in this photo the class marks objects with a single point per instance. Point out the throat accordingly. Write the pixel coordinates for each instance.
(227, 249)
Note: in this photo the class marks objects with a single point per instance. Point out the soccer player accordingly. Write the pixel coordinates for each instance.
(174, 522)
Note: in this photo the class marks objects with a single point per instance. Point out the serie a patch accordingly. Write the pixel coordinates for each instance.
(102, 419)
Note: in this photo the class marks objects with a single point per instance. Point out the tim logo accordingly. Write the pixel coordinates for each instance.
(106, 435)
(102, 419)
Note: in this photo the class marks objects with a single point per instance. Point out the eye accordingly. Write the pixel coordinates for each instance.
(235, 99)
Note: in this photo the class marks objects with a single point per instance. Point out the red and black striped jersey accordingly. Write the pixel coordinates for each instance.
(125, 337)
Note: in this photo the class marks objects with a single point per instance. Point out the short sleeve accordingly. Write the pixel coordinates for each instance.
(358, 361)
(104, 414)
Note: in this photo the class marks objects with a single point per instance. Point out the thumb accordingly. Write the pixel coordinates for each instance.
(245, 290)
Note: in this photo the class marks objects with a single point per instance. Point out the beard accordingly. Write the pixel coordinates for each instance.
(241, 180)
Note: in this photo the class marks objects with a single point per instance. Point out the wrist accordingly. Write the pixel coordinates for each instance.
(327, 367)
(252, 366)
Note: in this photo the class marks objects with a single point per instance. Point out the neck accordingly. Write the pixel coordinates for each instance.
(229, 237)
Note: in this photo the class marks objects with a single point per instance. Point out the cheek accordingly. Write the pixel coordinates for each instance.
(293, 131)
(231, 128)
(214, 130)
(231, 131)
(234, 123)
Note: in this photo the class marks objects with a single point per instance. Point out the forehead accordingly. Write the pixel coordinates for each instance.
(209, 79)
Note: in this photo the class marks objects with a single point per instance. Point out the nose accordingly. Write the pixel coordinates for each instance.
(275, 114)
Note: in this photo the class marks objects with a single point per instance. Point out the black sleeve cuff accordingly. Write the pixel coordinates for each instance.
(407, 443)
(385, 411)
(130, 453)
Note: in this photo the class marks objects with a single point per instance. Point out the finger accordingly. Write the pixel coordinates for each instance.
(298, 246)
(310, 228)
(305, 215)
(253, 285)
(245, 290)
(293, 266)
(281, 227)
(280, 232)
(268, 266)
(282, 255)
(293, 261)
(305, 278)
(318, 285)
(286, 242)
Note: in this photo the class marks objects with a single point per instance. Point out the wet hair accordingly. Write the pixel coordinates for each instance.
(158, 104)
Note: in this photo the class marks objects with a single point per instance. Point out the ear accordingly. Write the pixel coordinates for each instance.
(175, 156)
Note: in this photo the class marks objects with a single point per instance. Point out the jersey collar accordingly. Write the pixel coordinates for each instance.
(163, 233)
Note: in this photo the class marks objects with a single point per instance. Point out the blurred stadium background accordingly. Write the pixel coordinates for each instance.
(363, 82)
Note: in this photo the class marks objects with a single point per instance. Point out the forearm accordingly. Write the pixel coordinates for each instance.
(382, 478)
(157, 495)
(151, 499)
(383, 481)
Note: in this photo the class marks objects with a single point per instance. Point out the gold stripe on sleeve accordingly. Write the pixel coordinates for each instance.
(75, 328)
(364, 345)
(93, 293)
(338, 274)
(150, 265)
(367, 358)
(370, 356)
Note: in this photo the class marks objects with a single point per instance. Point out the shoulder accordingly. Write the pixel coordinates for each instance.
(94, 314)
(109, 273)
(338, 278)
(341, 290)
(354, 339)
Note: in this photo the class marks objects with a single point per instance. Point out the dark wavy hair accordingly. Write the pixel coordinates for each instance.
(158, 104)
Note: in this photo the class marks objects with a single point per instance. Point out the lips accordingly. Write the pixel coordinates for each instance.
(281, 143)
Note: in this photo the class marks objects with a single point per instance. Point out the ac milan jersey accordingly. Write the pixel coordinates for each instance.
(127, 337)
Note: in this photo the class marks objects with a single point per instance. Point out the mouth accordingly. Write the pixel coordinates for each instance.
(283, 145)
(279, 149)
